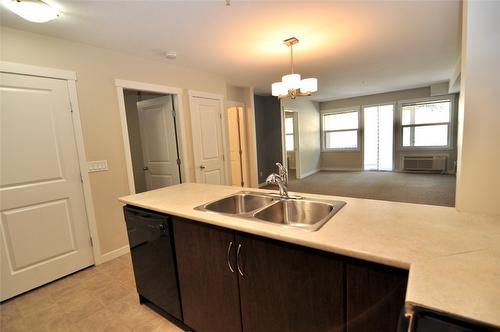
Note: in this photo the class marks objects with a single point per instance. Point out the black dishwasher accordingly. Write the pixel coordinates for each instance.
(153, 258)
(427, 320)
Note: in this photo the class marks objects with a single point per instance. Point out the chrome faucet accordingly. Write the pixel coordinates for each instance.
(280, 179)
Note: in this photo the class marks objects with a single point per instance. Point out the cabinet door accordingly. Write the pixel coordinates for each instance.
(289, 288)
(375, 296)
(209, 290)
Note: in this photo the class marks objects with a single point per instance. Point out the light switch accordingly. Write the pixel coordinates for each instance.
(97, 166)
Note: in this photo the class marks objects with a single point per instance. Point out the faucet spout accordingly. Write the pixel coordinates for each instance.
(281, 180)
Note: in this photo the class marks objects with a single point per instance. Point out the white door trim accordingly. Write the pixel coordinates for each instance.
(225, 144)
(24, 69)
(70, 77)
(134, 85)
(208, 95)
(296, 134)
(180, 120)
(87, 191)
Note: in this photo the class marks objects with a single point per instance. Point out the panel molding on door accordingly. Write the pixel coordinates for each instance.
(208, 144)
(44, 233)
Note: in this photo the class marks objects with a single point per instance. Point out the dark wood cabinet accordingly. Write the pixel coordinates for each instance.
(233, 282)
(375, 296)
(289, 288)
(209, 290)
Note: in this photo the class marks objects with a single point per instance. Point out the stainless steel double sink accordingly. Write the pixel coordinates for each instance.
(302, 213)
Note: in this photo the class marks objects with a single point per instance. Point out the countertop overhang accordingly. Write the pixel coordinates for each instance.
(453, 257)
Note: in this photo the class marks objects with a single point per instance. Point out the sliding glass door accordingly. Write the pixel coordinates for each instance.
(378, 137)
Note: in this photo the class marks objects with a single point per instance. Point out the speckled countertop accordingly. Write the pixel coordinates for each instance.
(453, 257)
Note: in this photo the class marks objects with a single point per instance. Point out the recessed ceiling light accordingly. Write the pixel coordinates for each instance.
(32, 10)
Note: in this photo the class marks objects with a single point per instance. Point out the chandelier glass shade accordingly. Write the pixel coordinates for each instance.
(292, 85)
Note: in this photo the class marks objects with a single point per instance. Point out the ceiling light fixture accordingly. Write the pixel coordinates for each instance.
(32, 10)
(291, 85)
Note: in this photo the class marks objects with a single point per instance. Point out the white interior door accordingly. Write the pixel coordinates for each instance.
(208, 147)
(236, 129)
(43, 222)
(158, 139)
(378, 137)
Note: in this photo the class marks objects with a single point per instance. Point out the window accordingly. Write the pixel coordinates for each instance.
(289, 144)
(340, 130)
(426, 124)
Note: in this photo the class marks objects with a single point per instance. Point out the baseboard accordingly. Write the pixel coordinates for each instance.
(304, 175)
(341, 169)
(110, 255)
(446, 172)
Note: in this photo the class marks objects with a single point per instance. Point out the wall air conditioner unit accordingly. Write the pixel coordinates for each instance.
(424, 163)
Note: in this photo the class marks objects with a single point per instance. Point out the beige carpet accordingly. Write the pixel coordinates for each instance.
(435, 189)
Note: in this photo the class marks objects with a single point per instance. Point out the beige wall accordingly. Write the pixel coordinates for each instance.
(478, 177)
(380, 98)
(353, 160)
(96, 70)
(342, 160)
(309, 133)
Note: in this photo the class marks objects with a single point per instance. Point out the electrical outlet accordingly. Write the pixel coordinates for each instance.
(97, 166)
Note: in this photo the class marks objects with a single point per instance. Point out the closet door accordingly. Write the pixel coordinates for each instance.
(44, 229)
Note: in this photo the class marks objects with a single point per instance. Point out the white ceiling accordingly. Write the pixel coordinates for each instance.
(352, 47)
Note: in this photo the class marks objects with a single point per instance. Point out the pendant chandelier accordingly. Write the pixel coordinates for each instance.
(292, 85)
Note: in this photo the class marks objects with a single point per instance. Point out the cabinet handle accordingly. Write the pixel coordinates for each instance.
(229, 256)
(238, 260)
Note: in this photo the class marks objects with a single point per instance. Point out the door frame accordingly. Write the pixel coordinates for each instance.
(70, 77)
(225, 144)
(179, 119)
(296, 139)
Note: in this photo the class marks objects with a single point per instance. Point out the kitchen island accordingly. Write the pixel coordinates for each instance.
(452, 257)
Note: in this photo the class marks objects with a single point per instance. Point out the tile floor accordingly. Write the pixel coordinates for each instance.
(101, 298)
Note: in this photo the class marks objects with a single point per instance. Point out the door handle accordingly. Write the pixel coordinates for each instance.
(229, 257)
(238, 260)
(202, 166)
(145, 168)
